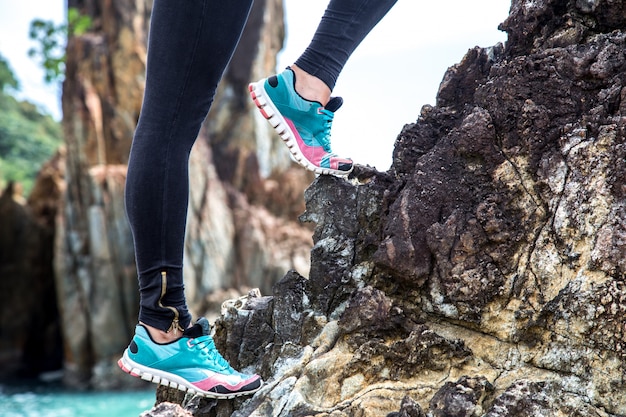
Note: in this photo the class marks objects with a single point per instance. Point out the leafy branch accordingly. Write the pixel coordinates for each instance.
(52, 40)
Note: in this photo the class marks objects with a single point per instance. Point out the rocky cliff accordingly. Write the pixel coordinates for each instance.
(69, 282)
(484, 274)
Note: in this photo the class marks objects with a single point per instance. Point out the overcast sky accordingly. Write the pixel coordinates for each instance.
(393, 73)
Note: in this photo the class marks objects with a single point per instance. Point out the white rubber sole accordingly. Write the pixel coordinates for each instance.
(278, 122)
(173, 381)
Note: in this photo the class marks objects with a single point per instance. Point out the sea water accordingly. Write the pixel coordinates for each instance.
(48, 401)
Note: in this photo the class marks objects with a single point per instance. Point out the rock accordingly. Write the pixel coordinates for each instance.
(483, 275)
(525, 398)
(29, 325)
(463, 398)
(408, 408)
(165, 409)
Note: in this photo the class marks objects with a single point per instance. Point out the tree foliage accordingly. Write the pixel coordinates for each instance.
(51, 40)
(7, 78)
(28, 137)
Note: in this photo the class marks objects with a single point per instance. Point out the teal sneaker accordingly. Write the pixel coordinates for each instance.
(303, 125)
(191, 363)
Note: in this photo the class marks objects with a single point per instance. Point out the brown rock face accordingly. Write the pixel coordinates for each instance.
(71, 241)
(483, 275)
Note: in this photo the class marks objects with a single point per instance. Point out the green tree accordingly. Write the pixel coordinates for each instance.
(28, 137)
(7, 78)
(51, 40)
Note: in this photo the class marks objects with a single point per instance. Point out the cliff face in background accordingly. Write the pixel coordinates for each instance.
(227, 222)
(70, 244)
(484, 274)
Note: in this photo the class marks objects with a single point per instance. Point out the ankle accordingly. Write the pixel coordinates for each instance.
(160, 336)
(311, 87)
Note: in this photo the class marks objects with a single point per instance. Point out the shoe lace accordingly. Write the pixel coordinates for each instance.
(206, 345)
(327, 119)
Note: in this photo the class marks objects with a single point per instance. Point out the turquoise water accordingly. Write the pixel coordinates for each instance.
(40, 401)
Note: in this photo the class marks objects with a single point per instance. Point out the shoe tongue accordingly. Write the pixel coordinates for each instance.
(201, 328)
(333, 104)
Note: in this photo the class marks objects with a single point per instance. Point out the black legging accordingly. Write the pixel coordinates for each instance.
(344, 25)
(190, 45)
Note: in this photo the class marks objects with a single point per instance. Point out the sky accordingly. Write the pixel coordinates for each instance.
(394, 72)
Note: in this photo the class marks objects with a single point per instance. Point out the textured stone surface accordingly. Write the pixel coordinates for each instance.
(483, 275)
(166, 409)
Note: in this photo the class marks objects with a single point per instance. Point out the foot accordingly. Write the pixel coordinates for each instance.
(191, 363)
(303, 125)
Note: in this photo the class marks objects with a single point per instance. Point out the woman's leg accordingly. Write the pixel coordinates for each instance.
(190, 44)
